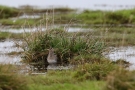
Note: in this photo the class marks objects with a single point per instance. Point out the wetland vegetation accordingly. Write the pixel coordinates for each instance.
(83, 50)
(65, 15)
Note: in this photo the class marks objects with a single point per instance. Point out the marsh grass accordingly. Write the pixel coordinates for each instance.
(10, 80)
(121, 79)
(68, 79)
(107, 17)
(7, 35)
(65, 15)
(6, 12)
(18, 22)
(62, 80)
(33, 9)
(115, 35)
(87, 46)
(66, 45)
(94, 71)
(86, 85)
(81, 49)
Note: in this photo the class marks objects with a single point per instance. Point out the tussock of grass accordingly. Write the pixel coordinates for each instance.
(66, 45)
(94, 71)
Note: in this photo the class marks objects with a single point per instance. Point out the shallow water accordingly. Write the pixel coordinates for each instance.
(28, 16)
(126, 53)
(6, 59)
(9, 46)
(21, 30)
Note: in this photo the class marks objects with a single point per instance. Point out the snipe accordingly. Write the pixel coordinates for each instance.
(52, 58)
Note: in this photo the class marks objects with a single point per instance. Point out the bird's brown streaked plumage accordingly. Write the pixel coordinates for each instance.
(52, 58)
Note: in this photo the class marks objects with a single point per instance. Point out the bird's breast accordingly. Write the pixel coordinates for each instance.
(52, 61)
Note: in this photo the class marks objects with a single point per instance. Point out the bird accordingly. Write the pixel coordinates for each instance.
(52, 57)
